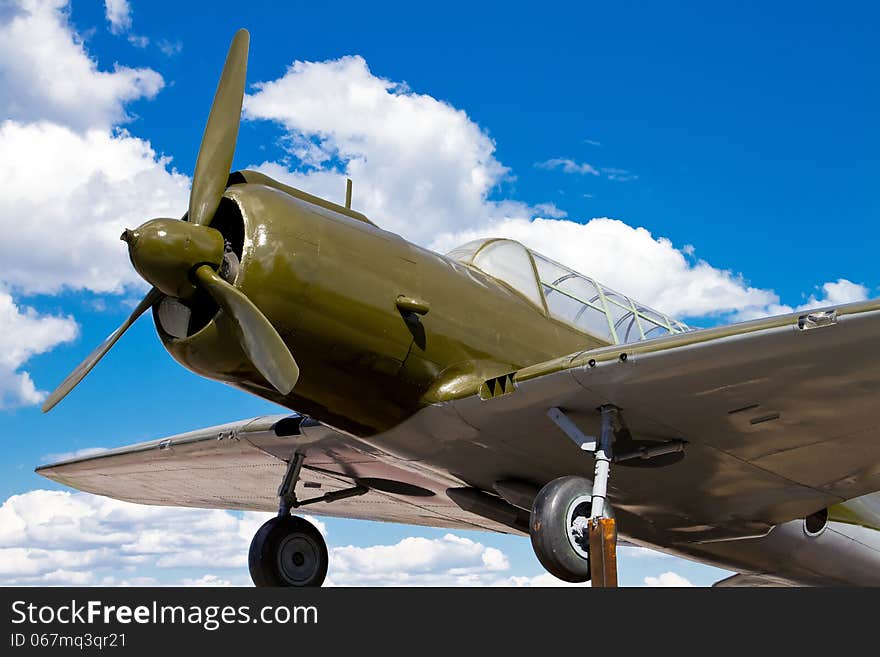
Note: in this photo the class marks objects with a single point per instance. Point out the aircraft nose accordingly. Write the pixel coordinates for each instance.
(165, 251)
(129, 236)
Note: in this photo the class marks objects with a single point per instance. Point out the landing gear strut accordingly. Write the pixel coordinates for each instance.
(288, 550)
(572, 526)
(572, 529)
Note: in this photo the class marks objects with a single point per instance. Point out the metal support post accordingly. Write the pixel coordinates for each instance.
(287, 489)
(602, 530)
(603, 456)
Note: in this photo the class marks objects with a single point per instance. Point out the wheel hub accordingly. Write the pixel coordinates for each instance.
(577, 520)
(297, 558)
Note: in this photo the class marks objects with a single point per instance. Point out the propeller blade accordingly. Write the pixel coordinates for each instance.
(258, 337)
(86, 366)
(218, 143)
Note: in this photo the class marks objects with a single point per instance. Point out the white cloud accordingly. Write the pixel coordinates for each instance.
(419, 165)
(424, 169)
(57, 538)
(667, 579)
(169, 48)
(24, 333)
(567, 165)
(209, 580)
(630, 260)
(138, 41)
(833, 293)
(620, 175)
(72, 182)
(415, 560)
(47, 74)
(544, 580)
(118, 14)
(54, 537)
(76, 454)
(839, 291)
(69, 196)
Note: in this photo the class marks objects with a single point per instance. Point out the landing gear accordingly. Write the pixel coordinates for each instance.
(573, 530)
(288, 551)
(570, 521)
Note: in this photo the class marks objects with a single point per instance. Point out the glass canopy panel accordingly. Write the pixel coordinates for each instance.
(582, 288)
(466, 252)
(562, 305)
(570, 297)
(550, 272)
(617, 306)
(600, 308)
(652, 330)
(595, 321)
(655, 317)
(510, 262)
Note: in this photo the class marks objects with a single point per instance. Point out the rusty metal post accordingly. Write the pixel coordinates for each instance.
(603, 552)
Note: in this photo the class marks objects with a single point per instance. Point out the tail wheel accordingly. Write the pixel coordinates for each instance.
(558, 528)
(288, 551)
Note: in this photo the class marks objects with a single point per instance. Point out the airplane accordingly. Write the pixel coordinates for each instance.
(490, 388)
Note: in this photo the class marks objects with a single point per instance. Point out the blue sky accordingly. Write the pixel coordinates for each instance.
(737, 137)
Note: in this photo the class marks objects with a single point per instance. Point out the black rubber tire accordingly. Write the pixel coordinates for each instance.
(550, 532)
(288, 551)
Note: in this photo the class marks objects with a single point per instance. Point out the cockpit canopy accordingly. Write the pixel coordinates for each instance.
(565, 294)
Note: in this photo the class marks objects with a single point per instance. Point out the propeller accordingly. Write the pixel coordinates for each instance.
(92, 359)
(180, 257)
(221, 131)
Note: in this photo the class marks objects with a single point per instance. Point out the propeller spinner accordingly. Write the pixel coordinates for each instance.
(179, 257)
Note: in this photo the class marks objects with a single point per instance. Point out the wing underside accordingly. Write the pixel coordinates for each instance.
(780, 418)
(240, 466)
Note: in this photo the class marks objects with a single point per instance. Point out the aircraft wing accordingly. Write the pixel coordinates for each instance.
(780, 418)
(240, 466)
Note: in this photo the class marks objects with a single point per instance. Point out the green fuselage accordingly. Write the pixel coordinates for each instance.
(329, 281)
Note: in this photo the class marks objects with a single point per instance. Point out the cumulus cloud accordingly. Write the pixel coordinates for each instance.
(832, 293)
(57, 538)
(620, 175)
(73, 181)
(169, 48)
(839, 291)
(118, 14)
(47, 74)
(424, 169)
(54, 537)
(667, 579)
(138, 41)
(76, 454)
(420, 165)
(630, 260)
(567, 165)
(450, 560)
(544, 580)
(68, 197)
(24, 333)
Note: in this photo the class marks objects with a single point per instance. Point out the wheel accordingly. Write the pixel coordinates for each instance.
(288, 551)
(558, 528)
